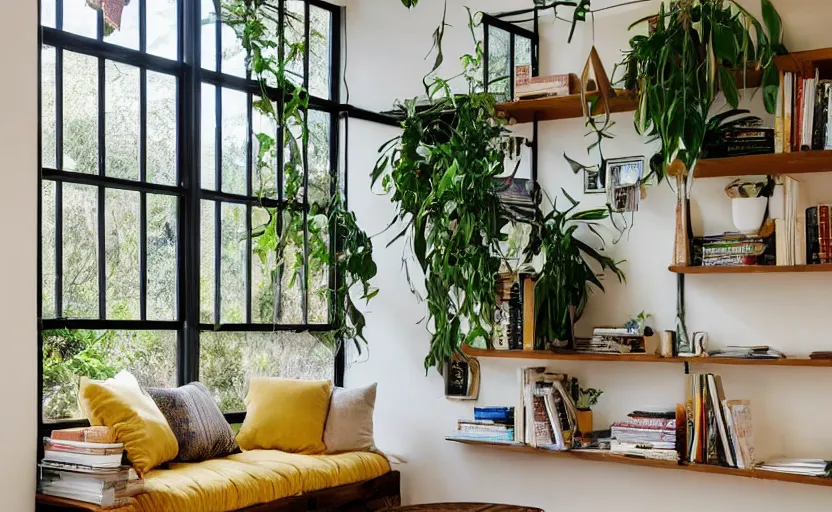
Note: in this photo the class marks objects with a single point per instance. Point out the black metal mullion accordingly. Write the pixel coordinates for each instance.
(305, 151)
(142, 26)
(143, 255)
(268, 327)
(59, 14)
(109, 182)
(217, 204)
(143, 179)
(59, 163)
(511, 64)
(486, 29)
(103, 325)
(335, 55)
(102, 256)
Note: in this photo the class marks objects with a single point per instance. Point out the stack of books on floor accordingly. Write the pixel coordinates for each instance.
(85, 465)
(650, 435)
(611, 340)
(731, 249)
(805, 467)
(748, 352)
(803, 114)
(490, 425)
(718, 431)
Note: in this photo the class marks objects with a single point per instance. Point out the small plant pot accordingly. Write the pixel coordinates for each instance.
(584, 421)
(748, 213)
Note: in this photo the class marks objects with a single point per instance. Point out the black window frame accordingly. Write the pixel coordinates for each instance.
(514, 31)
(190, 76)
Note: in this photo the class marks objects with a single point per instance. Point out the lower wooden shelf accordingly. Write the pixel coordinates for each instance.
(752, 269)
(602, 456)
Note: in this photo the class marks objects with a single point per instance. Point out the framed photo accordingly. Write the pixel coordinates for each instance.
(624, 183)
(594, 182)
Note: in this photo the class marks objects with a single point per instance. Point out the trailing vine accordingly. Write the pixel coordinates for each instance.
(286, 103)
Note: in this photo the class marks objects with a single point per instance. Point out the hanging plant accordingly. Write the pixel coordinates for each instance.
(262, 29)
(441, 174)
(695, 49)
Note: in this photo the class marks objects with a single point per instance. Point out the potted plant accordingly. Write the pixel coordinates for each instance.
(566, 275)
(586, 399)
(749, 202)
(679, 67)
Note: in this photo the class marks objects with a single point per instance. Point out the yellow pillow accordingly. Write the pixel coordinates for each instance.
(119, 403)
(286, 415)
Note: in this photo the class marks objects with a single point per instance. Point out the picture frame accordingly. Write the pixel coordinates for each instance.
(594, 182)
(624, 183)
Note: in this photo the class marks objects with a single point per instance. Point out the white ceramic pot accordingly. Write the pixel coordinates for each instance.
(748, 213)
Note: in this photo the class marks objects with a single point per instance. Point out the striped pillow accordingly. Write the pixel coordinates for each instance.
(196, 421)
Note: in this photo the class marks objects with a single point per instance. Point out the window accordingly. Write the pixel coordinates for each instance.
(506, 46)
(152, 191)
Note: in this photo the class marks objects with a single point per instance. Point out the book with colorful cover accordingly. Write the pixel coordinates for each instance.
(97, 434)
(743, 430)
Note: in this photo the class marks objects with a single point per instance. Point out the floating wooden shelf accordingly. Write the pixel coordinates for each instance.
(753, 269)
(805, 62)
(642, 358)
(801, 162)
(563, 107)
(601, 456)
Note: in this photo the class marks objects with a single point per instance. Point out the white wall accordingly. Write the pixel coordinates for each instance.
(18, 257)
(791, 406)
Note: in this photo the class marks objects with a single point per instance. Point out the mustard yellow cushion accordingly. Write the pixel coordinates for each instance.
(287, 415)
(249, 478)
(136, 420)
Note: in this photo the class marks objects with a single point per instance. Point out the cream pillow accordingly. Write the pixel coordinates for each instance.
(135, 419)
(286, 415)
(349, 426)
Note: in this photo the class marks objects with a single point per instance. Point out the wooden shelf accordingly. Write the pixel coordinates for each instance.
(753, 269)
(643, 358)
(802, 162)
(563, 107)
(602, 456)
(804, 62)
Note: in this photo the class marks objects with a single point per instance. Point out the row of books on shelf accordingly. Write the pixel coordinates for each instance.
(85, 464)
(803, 116)
(707, 428)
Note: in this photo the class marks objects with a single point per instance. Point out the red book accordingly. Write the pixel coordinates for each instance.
(824, 234)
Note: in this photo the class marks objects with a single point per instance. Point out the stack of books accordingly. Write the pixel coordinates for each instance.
(85, 465)
(819, 234)
(731, 249)
(610, 340)
(514, 327)
(646, 434)
(803, 118)
(546, 416)
(490, 425)
(718, 431)
(805, 467)
(748, 352)
(746, 138)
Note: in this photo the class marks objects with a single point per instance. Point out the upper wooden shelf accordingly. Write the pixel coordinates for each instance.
(802, 162)
(563, 107)
(602, 456)
(642, 358)
(753, 269)
(805, 62)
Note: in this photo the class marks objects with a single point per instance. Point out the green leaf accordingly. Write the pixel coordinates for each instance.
(771, 88)
(773, 22)
(729, 87)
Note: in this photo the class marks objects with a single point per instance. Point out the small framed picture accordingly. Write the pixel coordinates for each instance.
(594, 182)
(624, 183)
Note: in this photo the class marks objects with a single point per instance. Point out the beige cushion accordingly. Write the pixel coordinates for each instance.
(349, 426)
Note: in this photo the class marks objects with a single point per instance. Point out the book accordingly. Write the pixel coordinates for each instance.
(690, 415)
(528, 312)
(820, 116)
(797, 137)
(543, 432)
(788, 93)
(779, 128)
(812, 236)
(824, 233)
(77, 452)
(742, 429)
(84, 435)
(805, 467)
(495, 414)
(725, 456)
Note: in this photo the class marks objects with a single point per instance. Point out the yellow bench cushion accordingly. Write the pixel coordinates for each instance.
(250, 478)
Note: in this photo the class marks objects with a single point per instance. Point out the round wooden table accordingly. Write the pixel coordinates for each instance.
(466, 507)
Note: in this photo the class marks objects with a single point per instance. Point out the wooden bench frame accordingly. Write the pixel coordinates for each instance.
(376, 495)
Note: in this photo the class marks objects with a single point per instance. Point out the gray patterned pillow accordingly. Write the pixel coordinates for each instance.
(349, 425)
(197, 422)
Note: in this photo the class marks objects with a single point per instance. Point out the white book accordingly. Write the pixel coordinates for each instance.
(720, 421)
(729, 422)
(554, 419)
(779, 129)
(81, 444)
(520, 410)
(104, 461)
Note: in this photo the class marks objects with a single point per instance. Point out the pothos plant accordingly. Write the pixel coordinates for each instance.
(271, 35)
(695, 49)
(441, 174)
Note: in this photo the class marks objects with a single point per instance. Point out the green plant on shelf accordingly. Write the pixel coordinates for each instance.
(587, 398)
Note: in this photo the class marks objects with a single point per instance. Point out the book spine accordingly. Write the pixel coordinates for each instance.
(824, 233)
(798, 136)
(788, 105)
(528, 313)
(690, 414)
(828, 130)
(778, 119)
(812, 236)
(819, 131)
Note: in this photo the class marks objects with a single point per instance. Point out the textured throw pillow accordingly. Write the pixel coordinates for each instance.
(199, 426)
(286, 415)
(349, 426)
(119, 403)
